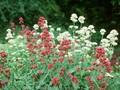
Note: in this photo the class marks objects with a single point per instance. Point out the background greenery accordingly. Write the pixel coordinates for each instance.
(101, 13)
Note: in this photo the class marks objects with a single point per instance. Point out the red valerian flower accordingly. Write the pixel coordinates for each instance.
(61, 53)
(105, 61)
(62, 71)
(55, 81)
(100, 77)
(21, 20)
(40, 72)
(74, 79)
(65, 45)
(61, 60)
(50, 66)
(34, 66)
(3, 54)
(91, 83)
(41, 21)
(100, 52)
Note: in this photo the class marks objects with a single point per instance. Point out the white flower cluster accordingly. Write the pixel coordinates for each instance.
(64, 35)
(36, 27)
(74, 18)
(9, 34)
(102, 31)
(110, 40)
(113, 37)
(86, 32)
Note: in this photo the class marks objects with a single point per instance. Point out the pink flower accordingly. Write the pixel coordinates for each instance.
(100, 77)
(100, 52)
(21, 20)
(74, 79)
(55, 81)
(50, 66)
(3, 54)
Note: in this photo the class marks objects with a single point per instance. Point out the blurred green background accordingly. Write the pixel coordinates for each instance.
(101, 13)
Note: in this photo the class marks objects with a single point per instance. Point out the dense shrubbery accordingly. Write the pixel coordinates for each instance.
(48, 58)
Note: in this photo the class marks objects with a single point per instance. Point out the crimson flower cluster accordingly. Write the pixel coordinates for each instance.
(90, 82)
(73, 78)
(46, 42)
(3, 54)
(65, 45)
(100, 54)
(41, 21)
(55, 81)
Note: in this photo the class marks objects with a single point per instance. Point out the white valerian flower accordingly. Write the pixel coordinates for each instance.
(94, 43)
(71, 26)
(9, 30)
(102, 31)
(85, 49)
(36, 26)
(113, 39)
(74, 17)
(76, 27)
(9, 35)
(19, 37)
(52, 29)
(69, 54)
(35, 33)
(109, 36)
(58, 29)
(97, 61)
(81, 19)
(114, 43)
(105, 43)
(11, 41)
(109, 75)
(64, 35)
(49, 26)
(39, 41)
(114, 32)
(90, 27)
(88, 43)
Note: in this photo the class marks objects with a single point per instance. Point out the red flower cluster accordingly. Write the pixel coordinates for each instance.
(50, 66)
(28, 33)
(106, 63)
(55, 81)
(73, 78)
(31, 47)
(62, 71)
(46, 42)
(100, 77)
(21, 20)
(3, 54)
(91, 83)
(100, 52)
(34, 66)
(41, 21)
(65, 45)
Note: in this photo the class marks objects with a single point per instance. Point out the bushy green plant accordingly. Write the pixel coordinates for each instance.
(47, 58)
